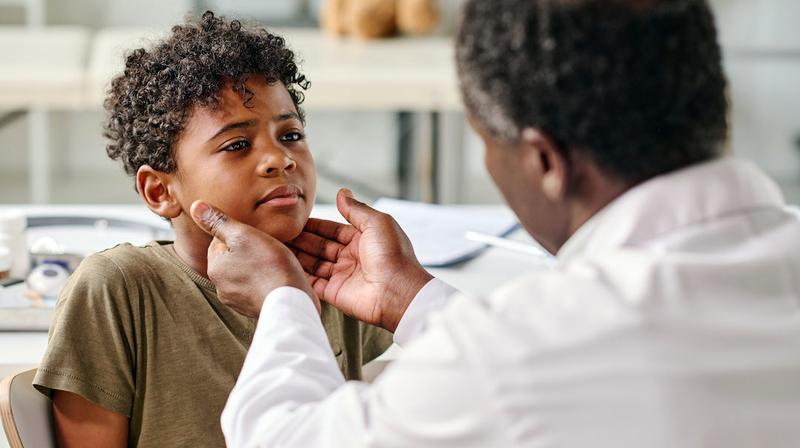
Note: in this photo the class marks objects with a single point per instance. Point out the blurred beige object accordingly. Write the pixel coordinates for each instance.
(370, 19)
(42, 66)
(333, 15)
(417, 17)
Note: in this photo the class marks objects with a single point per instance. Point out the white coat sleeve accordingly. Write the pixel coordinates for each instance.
(291, 393)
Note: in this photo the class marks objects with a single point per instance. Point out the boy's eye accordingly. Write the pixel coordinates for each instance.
(292, 137)
(237, 146)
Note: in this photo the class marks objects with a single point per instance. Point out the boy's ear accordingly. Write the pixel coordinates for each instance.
(153, 188)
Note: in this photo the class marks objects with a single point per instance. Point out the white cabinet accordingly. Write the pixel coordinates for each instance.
(765, 97)
(761, 42)
(758, 25)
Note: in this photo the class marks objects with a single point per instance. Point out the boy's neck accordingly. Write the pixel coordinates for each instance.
(191, 244)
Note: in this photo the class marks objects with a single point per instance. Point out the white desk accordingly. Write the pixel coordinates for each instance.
(416, 74)
(43, 67)
(64, 67)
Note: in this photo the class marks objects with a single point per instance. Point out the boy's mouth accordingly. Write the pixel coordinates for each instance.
(283, 196)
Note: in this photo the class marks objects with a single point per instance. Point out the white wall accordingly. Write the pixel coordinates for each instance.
(100, 13)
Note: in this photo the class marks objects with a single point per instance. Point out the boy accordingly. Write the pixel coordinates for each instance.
(141, 352)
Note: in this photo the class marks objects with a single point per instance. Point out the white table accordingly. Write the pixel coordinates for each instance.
(67, 67)
(416, 74)
(43, 67)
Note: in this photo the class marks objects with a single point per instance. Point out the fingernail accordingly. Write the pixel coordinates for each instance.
(203, 212)
(347, 192)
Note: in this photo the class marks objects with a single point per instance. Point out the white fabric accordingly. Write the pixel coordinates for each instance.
(671, 320)
(432, 297)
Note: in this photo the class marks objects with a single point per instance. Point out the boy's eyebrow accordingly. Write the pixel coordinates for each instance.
(250, 123)
(237, 125)
(286, 116)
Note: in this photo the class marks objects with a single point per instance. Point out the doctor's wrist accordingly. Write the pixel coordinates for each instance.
(403, 293)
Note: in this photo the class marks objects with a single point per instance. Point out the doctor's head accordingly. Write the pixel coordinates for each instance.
(213, 112)
(579, 100)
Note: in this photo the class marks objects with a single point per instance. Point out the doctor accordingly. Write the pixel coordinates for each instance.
(672, 318)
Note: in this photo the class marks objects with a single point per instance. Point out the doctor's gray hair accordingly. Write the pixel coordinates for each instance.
(635, 85)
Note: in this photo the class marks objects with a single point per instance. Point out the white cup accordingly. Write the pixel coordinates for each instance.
(13, 225)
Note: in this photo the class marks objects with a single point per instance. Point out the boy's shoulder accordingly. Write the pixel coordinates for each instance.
(125, 259)
(121, 272)
(113, 275)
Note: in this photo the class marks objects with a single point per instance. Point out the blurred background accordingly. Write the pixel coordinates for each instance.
(383, 114)
(384, 119)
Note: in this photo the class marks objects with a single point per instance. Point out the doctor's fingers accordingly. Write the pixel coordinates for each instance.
(318, 285)
(318, 246)
(342, 233)
(314, 265)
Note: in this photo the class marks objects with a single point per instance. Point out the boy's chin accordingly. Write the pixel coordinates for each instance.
(283, 233)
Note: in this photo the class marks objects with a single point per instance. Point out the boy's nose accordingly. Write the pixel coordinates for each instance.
(276, 162)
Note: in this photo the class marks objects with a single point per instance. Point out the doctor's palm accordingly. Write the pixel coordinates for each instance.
(368, 269)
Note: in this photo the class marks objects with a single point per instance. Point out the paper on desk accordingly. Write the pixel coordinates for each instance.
(437, 231)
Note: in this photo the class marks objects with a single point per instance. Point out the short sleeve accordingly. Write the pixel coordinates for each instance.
(91, 348)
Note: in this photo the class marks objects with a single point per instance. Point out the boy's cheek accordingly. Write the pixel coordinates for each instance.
(311, 189)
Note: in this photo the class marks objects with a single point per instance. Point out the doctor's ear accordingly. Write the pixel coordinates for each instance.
(154, 188)
(550, 160)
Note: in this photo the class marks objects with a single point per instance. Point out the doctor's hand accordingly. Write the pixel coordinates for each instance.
(368, 269)
(246, 264)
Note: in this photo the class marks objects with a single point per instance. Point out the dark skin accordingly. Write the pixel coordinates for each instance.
(368, 270)
(80, 423)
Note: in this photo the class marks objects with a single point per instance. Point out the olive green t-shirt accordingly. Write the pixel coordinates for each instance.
(142, 334)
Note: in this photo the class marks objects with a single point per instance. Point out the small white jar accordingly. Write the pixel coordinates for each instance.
(13, 225)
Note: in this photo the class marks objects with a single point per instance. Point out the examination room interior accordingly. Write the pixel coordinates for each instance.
(384, 119)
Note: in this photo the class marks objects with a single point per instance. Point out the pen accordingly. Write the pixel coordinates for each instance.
(505, 243)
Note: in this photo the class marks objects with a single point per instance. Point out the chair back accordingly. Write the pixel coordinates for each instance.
(27, 415)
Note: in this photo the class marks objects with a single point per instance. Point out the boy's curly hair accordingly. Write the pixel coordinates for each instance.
(147, 105)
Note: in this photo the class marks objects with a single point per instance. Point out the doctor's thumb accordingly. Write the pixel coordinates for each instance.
(211, 220)
(354, 211)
